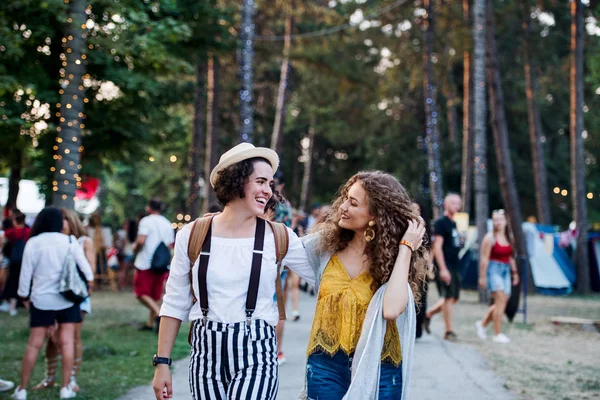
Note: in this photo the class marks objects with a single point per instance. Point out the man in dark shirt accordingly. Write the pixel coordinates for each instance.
(446, 246)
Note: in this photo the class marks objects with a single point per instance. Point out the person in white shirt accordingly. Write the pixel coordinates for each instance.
(39, 283)
(234, 346)
(74, 227)
(148, 285)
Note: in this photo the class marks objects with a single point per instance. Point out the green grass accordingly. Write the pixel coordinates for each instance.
(116, 355)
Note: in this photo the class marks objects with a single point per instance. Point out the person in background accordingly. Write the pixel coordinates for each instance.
(74, 228)
(313, 217)
(148, 285)
(39, 284)
(422, 306)
(498, 273)
(446, 246)
(283, 214)
(127, 237)
(15, 237)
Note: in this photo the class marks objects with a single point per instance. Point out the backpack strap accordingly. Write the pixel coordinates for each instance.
(282, 243)
(197, 237)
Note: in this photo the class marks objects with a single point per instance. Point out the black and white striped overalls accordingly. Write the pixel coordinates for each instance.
(233, 360)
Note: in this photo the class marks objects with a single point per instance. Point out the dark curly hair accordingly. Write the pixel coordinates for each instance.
(231, 181)
(390, 204)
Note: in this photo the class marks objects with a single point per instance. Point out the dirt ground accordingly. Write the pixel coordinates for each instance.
(544, 361)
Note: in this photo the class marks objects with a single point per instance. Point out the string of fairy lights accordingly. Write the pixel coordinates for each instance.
(68, 147)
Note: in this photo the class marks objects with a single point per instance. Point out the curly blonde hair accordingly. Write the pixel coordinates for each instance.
(390, 204)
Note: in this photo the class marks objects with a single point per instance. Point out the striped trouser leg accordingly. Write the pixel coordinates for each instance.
(208, 362)
(253, 362)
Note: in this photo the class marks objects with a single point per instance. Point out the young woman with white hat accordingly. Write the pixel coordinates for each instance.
(234, 349)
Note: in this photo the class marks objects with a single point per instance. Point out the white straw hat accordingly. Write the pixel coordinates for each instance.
(241, 152)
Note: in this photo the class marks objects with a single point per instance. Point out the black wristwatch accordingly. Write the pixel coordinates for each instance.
(160, 360)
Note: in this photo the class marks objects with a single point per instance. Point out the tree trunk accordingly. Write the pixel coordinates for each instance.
(451, 114)
(308, 158)
(13, 180)
(432, 136)
(499, 128)
(212, 129)
(578, 194)
(480, 176)
(246, 71)
(66, 174)
(196, 150)
(466, 181)
(542, 199)
(277, 136)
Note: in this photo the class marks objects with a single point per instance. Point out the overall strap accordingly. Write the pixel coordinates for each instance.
(197, 236)
(202, 272)
(257, 256)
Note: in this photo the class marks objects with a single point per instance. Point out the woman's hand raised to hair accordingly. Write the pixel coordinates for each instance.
(414, 233)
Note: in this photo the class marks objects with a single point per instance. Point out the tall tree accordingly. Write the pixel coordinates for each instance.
(196, 150)
(506, 176)
(212, 128)
(66, 174)
(14, 178)
(466, 181)
(247, 70)
(479, 118)
(277, 135)
(307, 153)
(432, 135)
(578, 194)
(451, 102)
(542, 199)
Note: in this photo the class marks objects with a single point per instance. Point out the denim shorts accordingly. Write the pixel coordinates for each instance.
(328, 378)
(498, 277)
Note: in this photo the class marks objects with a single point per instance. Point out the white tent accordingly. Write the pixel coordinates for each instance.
(30, 201)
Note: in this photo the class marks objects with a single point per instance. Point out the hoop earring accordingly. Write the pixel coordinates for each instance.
(370, 232)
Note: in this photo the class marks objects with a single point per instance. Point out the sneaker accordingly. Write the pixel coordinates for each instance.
(12, 313)
(19, 394)
(5, 386)
(280, 358)
(5, 307)
(67, 392)
(481, 331)
(73, 384)
(426, 322)
(295, 315)
(501, 338)
(450, 336)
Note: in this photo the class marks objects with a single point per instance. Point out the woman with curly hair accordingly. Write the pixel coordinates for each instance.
(368, 261)
(234, 346)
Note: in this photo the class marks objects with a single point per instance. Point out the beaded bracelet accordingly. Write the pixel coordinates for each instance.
(408, 244)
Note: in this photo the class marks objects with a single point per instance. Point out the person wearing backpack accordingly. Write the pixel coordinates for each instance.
(15, 244)
(153, 257)
(223, 275)
(48, 253)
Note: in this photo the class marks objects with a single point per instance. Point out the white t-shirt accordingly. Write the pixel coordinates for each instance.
(228, 276)
(157, 229)
(43, 260)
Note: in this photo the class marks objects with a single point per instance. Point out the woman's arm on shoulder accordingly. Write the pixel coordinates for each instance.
(301, 258)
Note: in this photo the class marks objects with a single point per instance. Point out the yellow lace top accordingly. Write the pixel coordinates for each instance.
(341, 308)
